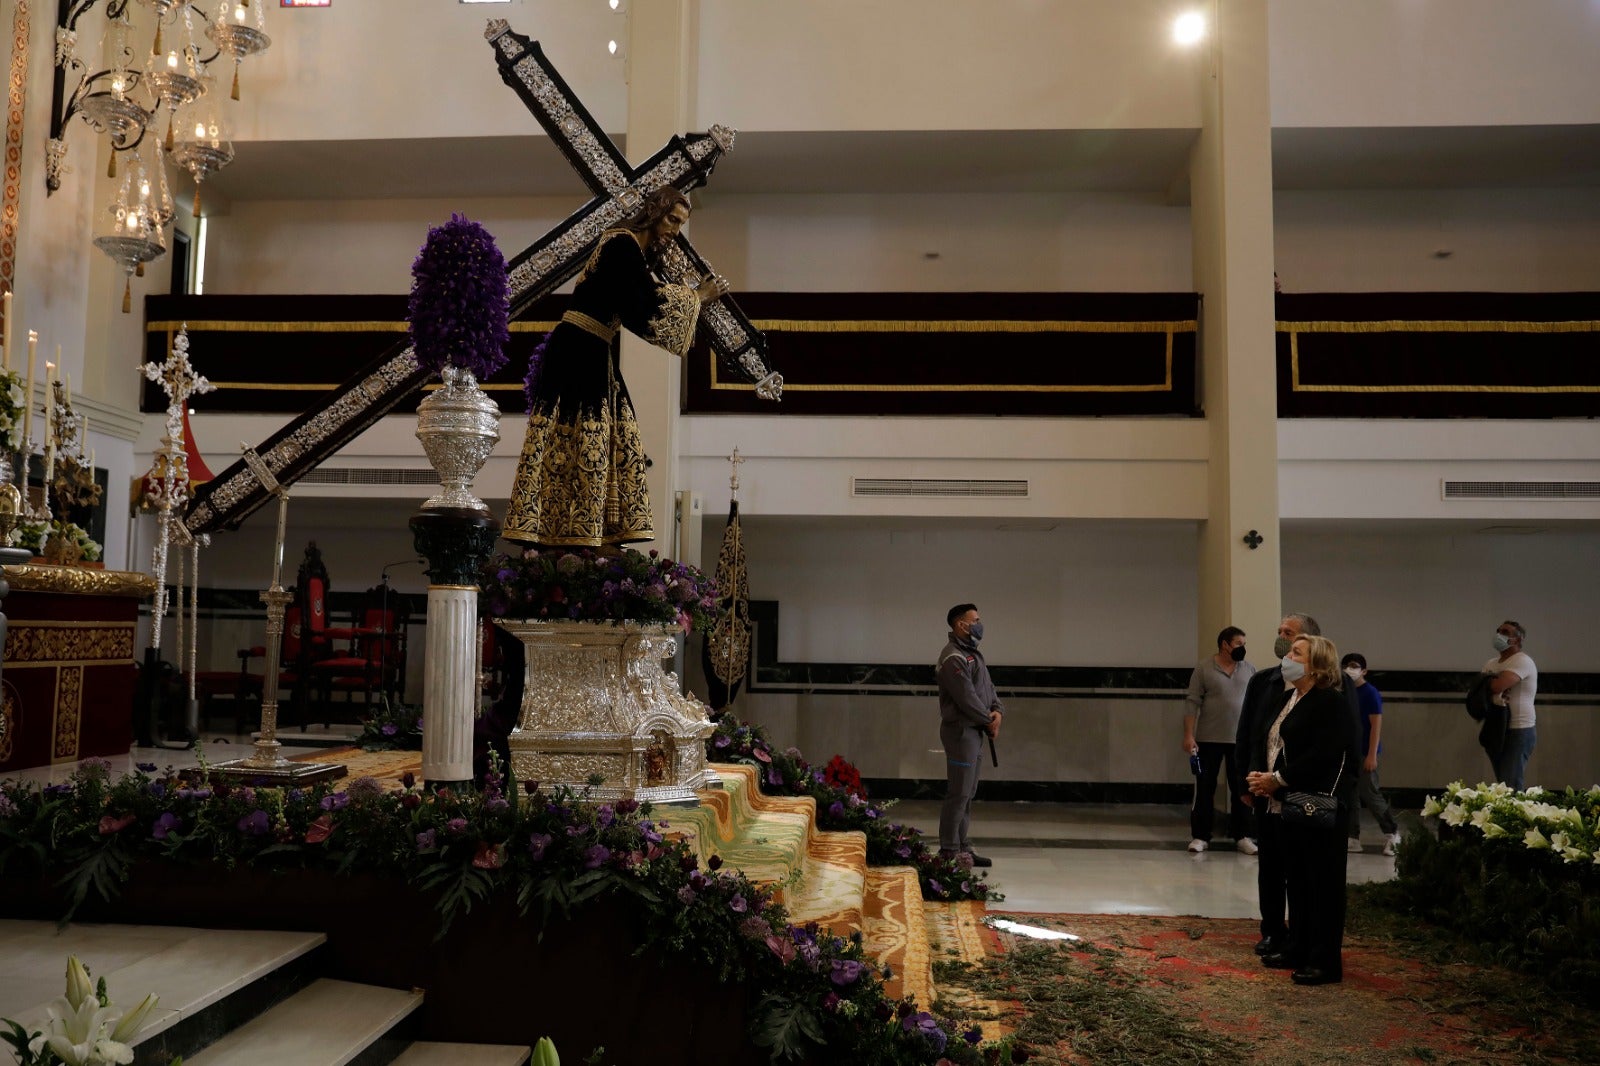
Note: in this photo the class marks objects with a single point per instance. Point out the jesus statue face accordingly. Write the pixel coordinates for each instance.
(669, 225)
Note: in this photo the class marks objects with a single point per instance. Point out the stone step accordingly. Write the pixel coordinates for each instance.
(329, 1023)
(195, 972)
(430, 1053)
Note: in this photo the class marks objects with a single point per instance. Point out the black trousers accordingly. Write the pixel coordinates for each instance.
(1271, 873)
(1213, 757)
(1316, 862)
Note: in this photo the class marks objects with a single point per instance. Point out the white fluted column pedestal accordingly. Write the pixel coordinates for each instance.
(450, 683)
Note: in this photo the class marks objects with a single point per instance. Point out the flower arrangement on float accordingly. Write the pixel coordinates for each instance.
(842, 804)
(84, 1028)
(459, 300)
(582, 585)
(813, 993)
(1564, 824)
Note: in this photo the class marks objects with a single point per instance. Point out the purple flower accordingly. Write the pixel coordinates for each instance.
(773, 776)
(62, 789)
(904, 851)
(459, 300)
(389, 729)
(973, 1036)
(456, 826)
(846, 972)
(537, 842)
(686, 895)
(95, 766)
(605, 814)
(364, 788)
(496, 804)
(738, 905)
(255, 824)
(836, 809)
(872, 812)
(166, 824)
(145, 767)
(595, 857)
(935, 887)
(649, 834)
(335, 801)
(924, 1024)
(426, 840)
(157, 789)
(722, 741)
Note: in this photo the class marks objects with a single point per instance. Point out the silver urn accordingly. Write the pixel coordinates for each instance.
(458, 426)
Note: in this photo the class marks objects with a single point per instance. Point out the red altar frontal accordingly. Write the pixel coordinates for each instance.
(69, 668)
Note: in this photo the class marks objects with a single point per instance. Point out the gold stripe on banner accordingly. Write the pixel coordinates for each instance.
(67, 726)
(964, 325)
(1395, 325)
(1295, 384)
(312, 386)
(372, 326)
(1164, 386)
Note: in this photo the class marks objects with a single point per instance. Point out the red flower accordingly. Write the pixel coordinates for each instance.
(761, 754)
(489, 856)
(558, 594)
(112, 824)
(319, 830)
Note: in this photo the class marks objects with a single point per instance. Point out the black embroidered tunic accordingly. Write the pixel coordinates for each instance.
(581, 479)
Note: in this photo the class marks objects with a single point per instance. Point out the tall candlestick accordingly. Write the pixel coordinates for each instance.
(49, 426)
(27, 402)
(5, 338)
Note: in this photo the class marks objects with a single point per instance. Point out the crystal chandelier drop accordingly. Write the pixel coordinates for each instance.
(239, 31)
(125, 98)
(202, 146)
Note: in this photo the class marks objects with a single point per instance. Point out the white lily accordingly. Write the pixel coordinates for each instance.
(73, 1034)
(1431, 807)
(133, 1021)
(1559, 841)
(1480, 817)
(544, 1053)
(1454, 814)
(79, 987)
(1535, 839)
(1493, 830)
(1533, 790)
(1466, 795)
(1570, 854)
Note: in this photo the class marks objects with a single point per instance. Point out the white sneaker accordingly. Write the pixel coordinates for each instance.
(1197, 845)
(1354, 847)
(1391, 842)
(1246, 845)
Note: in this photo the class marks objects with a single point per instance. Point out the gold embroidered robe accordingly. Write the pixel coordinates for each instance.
(581, 478)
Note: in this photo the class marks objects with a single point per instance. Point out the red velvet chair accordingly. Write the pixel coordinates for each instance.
(375, 660)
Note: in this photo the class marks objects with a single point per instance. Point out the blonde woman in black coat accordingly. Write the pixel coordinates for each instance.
(1311, 747)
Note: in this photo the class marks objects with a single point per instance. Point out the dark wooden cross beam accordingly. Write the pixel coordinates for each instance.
(684, 163)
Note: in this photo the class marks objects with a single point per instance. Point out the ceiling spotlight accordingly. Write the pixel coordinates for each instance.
(1189, 27)
(611, 46)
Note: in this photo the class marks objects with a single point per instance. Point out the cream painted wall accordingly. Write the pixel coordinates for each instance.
(1433, 62)
(1384, 240)
(944, 65)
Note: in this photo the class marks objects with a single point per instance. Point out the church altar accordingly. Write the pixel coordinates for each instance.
(596, 702)
(69, 663)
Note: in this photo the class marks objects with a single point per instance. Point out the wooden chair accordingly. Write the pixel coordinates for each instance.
(375, 660)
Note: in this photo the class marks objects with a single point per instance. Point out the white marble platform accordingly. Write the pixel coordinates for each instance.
(429, 1053)
(328, 1023)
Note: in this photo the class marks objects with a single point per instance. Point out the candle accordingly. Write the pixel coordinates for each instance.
(83, 436)
(27, 404)
(5, 338)
(49, 438)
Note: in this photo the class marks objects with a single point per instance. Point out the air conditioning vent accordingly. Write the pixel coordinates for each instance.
(941, 487)
(369, 475)
(1522, 490)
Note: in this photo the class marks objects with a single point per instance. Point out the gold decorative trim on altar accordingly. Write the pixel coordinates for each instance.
(68, 726)
(16, 100)
(1165, 385)
(78, 581)
(1297, 328)
(31, 645)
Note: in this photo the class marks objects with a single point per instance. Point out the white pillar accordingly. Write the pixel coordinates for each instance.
(450, 683)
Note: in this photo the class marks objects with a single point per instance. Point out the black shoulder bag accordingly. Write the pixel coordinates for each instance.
(1315, 810)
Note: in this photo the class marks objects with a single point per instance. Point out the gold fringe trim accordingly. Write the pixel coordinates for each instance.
(738, 386)
(370, 326)
(1395, 325)
(591, 325)
(965, 325)
(1296, 385)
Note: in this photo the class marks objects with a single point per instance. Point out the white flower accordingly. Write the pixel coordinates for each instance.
(1480, 817)
(1535, 839)
(1573, 854)
(1491, 831)
(1455, 814)
(79, 987)
(1499, 790)
(74, 1034)
(1533, 790)
(1431, 807)
(1559, 841)
(133, 1021)
(1466, 795)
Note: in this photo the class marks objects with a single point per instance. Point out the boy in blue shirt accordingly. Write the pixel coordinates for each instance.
(1355, 668)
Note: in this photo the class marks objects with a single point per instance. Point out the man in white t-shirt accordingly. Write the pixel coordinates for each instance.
(1515, 683)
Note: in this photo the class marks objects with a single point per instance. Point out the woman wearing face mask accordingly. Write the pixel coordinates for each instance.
(1311, 745)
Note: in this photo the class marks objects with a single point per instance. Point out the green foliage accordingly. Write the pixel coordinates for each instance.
(391, 728)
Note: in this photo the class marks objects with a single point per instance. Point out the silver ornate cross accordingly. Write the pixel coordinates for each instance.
(684, 162)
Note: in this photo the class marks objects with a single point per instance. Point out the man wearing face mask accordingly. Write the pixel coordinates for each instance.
(1368, 792)
(1515, 682)
(969, 710)
(1210, 727)
(1262, 699)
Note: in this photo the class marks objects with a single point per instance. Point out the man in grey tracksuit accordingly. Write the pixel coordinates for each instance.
(968, 710)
